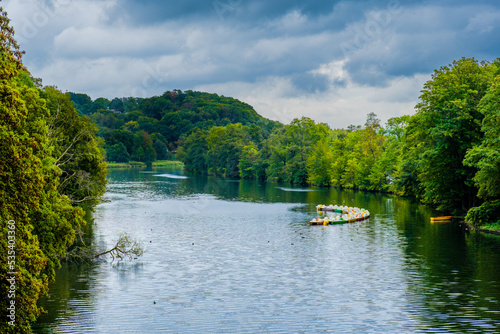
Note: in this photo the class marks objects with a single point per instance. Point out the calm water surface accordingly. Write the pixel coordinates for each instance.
(228, 256)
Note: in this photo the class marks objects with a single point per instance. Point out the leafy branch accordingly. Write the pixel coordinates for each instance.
(125, 247)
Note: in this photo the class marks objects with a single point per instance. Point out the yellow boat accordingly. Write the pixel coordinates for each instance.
(442, 219)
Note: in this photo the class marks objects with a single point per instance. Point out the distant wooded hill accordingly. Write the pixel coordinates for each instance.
(158, 122)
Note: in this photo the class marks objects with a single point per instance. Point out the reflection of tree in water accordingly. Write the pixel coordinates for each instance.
(452, 277)
(77, 276)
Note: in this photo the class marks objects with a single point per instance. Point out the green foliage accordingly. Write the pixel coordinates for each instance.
(446, 125)
(289, 149)
(486, 156)
(77, 150)
(143, 147)
(194, 152)
(117, 153)
(117, 105)
(225, 146)
(487, 213)
(320, 164)
(160, 148)
(82, 102)
(172, 116)
(249, 165)
(354, 158)
(43, 221)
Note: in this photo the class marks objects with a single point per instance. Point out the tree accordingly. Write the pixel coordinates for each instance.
(225, 146)
(117, 105)
(99, 104)
(386, 172)
(446, 125)
(161, 149)
(290, 147)
(320, 163)
(38, 221)
(143, 147)
(82, 102)
(486, 158)
(77, 149)
(249, 164)
(276, 156)
(339, 156)
(194, 152)
(125, 247)
(117, 153)
(113, 137)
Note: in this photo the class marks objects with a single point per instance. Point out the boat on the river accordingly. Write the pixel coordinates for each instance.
(332, 208)
(345, 215)
(441, 219)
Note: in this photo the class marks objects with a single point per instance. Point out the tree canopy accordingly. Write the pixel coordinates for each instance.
(45, 149)
(168, 119)
(41, 220)
(446, 154)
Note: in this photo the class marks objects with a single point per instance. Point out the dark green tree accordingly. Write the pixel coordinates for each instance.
(446, 125)
(143, 146)
(225, 146)
(37, 222)
(250, 165)
(82, 103)
(77, 149)
(486, 159)
(193, 153)
(99, 104)
(117, 105)
(117, 153)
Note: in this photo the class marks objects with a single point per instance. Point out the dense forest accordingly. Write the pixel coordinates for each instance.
(51, 165)
(445, 155)
(149, 129)
(54, 146)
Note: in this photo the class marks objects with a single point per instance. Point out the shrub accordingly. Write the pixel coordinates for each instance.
(487, 213)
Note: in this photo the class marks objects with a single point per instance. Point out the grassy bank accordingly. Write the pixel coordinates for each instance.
(136, 164)
(488, 228)
(491, 227)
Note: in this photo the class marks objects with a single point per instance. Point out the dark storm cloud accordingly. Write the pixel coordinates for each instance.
(419, 39)
(153, 11)
(303, 48)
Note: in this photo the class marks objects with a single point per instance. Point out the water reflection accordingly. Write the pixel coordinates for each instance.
(225, 256)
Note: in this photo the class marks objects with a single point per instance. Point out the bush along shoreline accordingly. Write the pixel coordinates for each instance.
(138, 164)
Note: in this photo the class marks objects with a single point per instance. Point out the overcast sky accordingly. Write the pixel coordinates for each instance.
(333, 61)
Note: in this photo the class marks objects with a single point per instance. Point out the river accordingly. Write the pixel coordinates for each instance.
(228, 256)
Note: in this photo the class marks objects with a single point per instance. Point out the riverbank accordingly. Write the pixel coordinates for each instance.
(490, 228)
(137, 164)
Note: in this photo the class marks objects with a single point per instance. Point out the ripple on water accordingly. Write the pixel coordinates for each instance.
(242, 267)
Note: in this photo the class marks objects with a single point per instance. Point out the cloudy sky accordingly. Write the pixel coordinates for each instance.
(333, 61)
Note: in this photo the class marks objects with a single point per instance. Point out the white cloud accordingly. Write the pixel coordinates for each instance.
(286, 65)
(334, 70)
(484, 22)
(338, 106)
(291, 21)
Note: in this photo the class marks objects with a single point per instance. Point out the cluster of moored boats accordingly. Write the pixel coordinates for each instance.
(340, 214)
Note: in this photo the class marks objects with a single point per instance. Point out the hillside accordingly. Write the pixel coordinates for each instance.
(161, 121)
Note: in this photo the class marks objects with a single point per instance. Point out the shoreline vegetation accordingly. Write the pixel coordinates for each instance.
(55, 146)
(488, 228)
(52, 167)
(444, 155)
(138, 164)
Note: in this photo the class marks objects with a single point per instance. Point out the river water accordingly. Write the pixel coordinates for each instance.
(225, 256)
